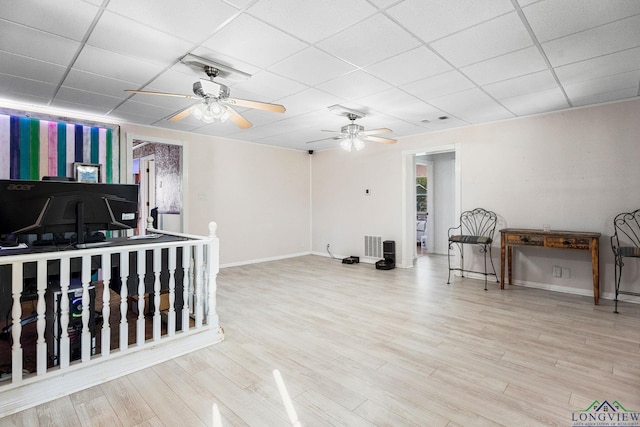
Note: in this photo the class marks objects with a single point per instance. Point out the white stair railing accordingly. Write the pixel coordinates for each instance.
(175, 264)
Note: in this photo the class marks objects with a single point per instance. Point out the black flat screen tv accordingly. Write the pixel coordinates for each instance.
(58, 207)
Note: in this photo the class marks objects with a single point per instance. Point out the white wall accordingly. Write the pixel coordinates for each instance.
(257, 194)
(574, 170)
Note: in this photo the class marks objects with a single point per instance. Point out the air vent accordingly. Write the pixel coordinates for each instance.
(373, 246)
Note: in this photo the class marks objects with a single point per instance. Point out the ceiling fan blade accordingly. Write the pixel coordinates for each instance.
(181, 114)
(146, 92)
(276, 108)
(237, 118)
(332, 131)
(375, 131)
(378, 139)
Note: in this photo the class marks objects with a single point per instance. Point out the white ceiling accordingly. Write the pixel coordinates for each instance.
(405, 63)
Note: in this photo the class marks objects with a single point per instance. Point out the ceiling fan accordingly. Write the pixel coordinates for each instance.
(353, 136)
(216, 103)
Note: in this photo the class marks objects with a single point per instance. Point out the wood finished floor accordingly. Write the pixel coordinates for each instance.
(358, 346)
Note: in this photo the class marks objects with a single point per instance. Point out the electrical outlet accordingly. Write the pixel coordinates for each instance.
(557, 271)
(566, 273)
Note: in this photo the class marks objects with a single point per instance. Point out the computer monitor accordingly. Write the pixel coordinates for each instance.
(58, 207)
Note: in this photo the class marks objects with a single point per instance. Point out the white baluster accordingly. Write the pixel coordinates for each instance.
(63, 339)
(86, 309)
(16, 326)
(171, 317)
(41, 352)
(157, 266)
(186, 284)
(105, 338)
(199, 275)
(124, 292)
(142, 267)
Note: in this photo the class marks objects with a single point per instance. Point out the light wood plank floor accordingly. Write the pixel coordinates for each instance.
(357, 346)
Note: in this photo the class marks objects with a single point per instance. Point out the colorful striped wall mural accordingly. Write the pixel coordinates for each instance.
(31, 148)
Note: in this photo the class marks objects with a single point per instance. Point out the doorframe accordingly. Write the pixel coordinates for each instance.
(126, 170)
(409, 195)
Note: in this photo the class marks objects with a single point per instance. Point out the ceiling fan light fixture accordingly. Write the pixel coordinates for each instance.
(210, 112)
(357, 143)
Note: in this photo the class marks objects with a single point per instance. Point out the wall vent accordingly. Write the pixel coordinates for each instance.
(373, 246)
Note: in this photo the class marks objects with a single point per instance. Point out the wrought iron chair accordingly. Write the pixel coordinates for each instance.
(477, 227)
(625, 243)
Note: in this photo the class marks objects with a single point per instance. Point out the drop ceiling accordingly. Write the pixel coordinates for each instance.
(405, 63)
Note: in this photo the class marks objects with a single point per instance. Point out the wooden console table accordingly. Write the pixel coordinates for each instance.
(573, 240)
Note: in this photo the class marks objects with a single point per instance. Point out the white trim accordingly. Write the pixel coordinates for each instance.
(257, 261)
(408, 162)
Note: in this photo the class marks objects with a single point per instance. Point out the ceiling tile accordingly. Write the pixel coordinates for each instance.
(356, 46)
(313, 21)
(267, 86)
(15, 84)
(606, 84)
(617, 36)
(133, 39)
(448, 123)
(514, 64)
(615, 63)
(147, 110)
(436, 86)
(192, 20)
(36, 44)
(253, 41)
(312, 66)
(354, 85)
(80, 108)
(307, 100)
(28, 68)
(536, 102)
(67, 18)
(115, 65)
(518, 86)
(552, 19)
(94, 83)
(94, 101)
(472, 105)
(605, 97)
(433, 19)
(401, 105)
(487, 40)
(409, 66)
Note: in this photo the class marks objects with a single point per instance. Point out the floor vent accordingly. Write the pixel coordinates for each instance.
(373, 246)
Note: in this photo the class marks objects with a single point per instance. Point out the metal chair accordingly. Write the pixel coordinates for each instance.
(477, 227)
(625, 243)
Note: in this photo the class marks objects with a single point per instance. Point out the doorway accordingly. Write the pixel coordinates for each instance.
(157, 165)
(441, 167)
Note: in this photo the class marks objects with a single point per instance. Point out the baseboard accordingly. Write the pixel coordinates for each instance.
(259, 260)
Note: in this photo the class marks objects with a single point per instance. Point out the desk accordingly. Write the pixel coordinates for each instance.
(571, 240)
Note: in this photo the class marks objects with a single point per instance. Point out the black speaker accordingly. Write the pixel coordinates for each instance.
(389, 254)
(389, 250)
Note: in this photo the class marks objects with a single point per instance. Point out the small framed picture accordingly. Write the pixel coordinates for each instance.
(86, 172)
